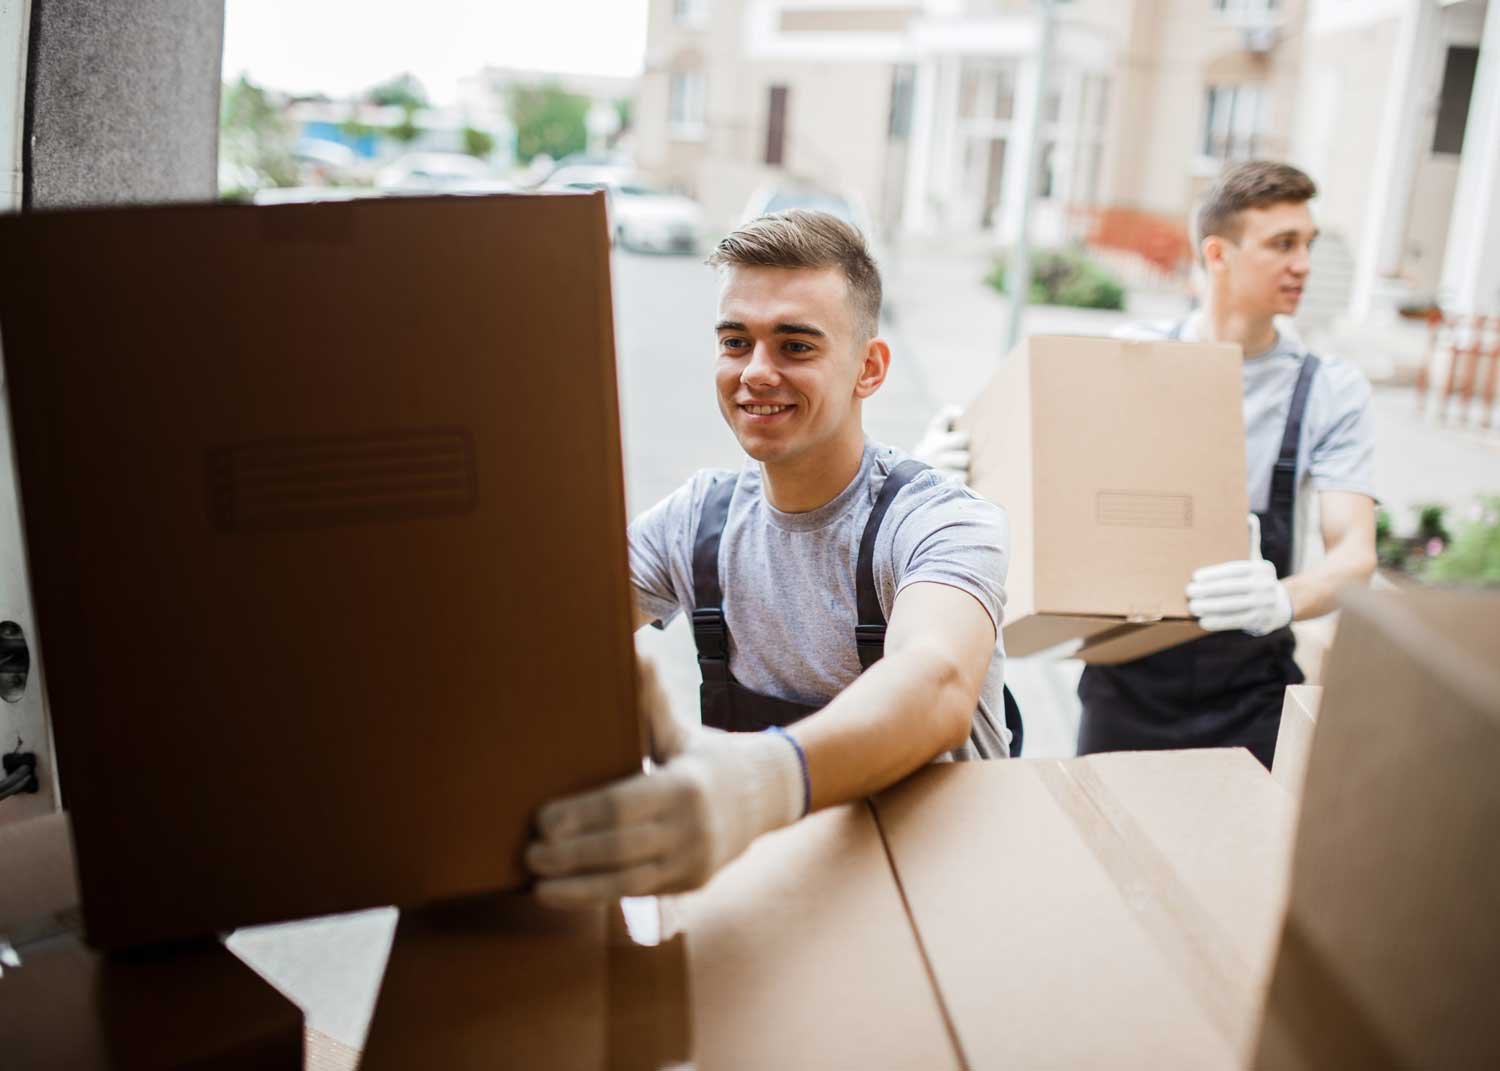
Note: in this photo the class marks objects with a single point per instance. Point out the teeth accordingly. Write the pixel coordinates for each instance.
(765, 410)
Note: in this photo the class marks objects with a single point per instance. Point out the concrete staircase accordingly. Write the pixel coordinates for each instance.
(1330, 284)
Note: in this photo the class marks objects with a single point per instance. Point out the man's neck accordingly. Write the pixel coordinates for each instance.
(807, 482)
(1255, 334)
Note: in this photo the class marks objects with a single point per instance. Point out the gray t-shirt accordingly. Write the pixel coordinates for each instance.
(1337, 447)
(788, 578)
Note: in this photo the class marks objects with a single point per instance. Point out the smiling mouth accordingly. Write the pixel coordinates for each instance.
(765, 410)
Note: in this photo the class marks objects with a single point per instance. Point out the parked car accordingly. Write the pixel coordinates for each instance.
(440, 172)
(641, 218)
(783, 197)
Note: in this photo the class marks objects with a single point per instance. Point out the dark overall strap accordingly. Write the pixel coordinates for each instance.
(710, 633)
(869, 630)
(1281, 505)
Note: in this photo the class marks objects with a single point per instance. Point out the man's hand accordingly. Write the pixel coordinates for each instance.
(668, 830)
(1240, 595)
(943, 447)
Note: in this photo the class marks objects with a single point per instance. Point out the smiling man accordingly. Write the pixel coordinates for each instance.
(1308, 433)
(845, 601)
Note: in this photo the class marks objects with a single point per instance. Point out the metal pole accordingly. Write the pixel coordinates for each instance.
(1018, 264)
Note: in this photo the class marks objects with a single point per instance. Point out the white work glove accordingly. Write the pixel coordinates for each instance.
(670, 829)
(1240, 595)
(944, 447)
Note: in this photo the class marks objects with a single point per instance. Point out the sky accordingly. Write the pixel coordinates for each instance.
(343, 46)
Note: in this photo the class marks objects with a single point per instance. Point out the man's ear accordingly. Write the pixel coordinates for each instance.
(1213, 250)
(873, 368)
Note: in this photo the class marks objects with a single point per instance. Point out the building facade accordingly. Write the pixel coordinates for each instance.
(921, 110)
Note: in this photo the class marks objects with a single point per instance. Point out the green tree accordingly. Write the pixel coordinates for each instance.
(255, 136)
(478, 142)
(402, 91)
(548, 119)
(407, 130)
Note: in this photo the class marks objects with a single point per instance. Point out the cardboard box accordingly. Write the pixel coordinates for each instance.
(797, 954)
(1391, 952)
(1117, 911)
(1299, 717)
(321, 632)
(1122, 467)
(64, 1006)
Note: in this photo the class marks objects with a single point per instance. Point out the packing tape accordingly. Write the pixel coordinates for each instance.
(1193, 944)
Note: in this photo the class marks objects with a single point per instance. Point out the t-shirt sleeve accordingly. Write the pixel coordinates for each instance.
(950, 535)
(660, 541)
(1341, 456)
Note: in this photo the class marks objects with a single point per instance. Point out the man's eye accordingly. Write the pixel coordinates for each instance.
(731, 343)
(798, 347)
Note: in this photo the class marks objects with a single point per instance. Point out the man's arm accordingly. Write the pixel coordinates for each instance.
(1348, 523)
(914, 704)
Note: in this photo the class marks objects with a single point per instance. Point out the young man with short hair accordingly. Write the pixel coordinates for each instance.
(1307, 425)
(791, 569)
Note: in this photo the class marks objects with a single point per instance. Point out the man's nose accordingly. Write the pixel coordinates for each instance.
(1301, 262)
(760, 370)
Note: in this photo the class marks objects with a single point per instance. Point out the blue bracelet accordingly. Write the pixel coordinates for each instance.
(801, 761)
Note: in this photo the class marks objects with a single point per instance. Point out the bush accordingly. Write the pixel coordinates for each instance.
(1066, 277)
(1472, 556)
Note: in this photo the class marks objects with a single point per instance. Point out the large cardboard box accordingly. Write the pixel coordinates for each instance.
(1122, 467)
(63, 1005)
(321, 627)
(799, 954)
(1117, 911)
(1299, 717)
(1391, 952)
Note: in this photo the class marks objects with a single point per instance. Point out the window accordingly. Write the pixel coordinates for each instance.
(685, 104)
(1246, 8)
(1453, 103)
(1232, 122)
(776, 127)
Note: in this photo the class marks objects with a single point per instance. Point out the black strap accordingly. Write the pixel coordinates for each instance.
(1284, 475)
(869, 632)
(710, 632)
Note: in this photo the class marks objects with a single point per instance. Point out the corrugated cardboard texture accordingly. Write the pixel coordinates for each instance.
(1117, 911)
(802, 956)
(1123, 465)
(1299, 717)
(500, 982)
(188, 1007)
(321, 632)
(1391, 953)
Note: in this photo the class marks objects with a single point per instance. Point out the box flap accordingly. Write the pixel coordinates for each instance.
(1129, 642)
(1042, 633)
(1114, 926)
(1299, 715)
(1391, 951)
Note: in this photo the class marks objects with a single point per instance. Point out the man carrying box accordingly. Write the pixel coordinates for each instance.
(790, 569)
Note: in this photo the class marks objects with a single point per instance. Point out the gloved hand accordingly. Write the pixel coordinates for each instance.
(670, 829)
(1240, 595)
(943, 447)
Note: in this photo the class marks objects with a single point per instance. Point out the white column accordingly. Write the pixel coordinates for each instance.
(947, 163)
(915, 216)
(1019, 161)
(1471, 265)
(1394, 167)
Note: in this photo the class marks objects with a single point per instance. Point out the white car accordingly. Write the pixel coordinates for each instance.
(641, 219)
(770, 199)
(440, 172)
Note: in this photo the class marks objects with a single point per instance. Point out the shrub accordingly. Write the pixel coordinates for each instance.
(1066, 277)
(1472, 556)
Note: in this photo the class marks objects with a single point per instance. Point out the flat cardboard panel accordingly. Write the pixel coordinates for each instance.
(802, 955)
(1391, 952)
(188, 1007)
(303, 591)
(1129, 642)
(1038, 633)
(501, 982)
(1299, 716)
(1122, 467)
(1114, 924)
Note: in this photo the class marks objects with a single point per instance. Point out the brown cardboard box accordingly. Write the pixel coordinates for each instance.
(321, 629)
(1391, 952)
(1299, 717)
(1117, 911)
(189, 1006)
(799, 954)
(1122, 467)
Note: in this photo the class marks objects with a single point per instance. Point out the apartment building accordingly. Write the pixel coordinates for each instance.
(920, 109)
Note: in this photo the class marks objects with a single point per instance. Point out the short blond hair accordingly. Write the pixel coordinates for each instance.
(804, 239)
